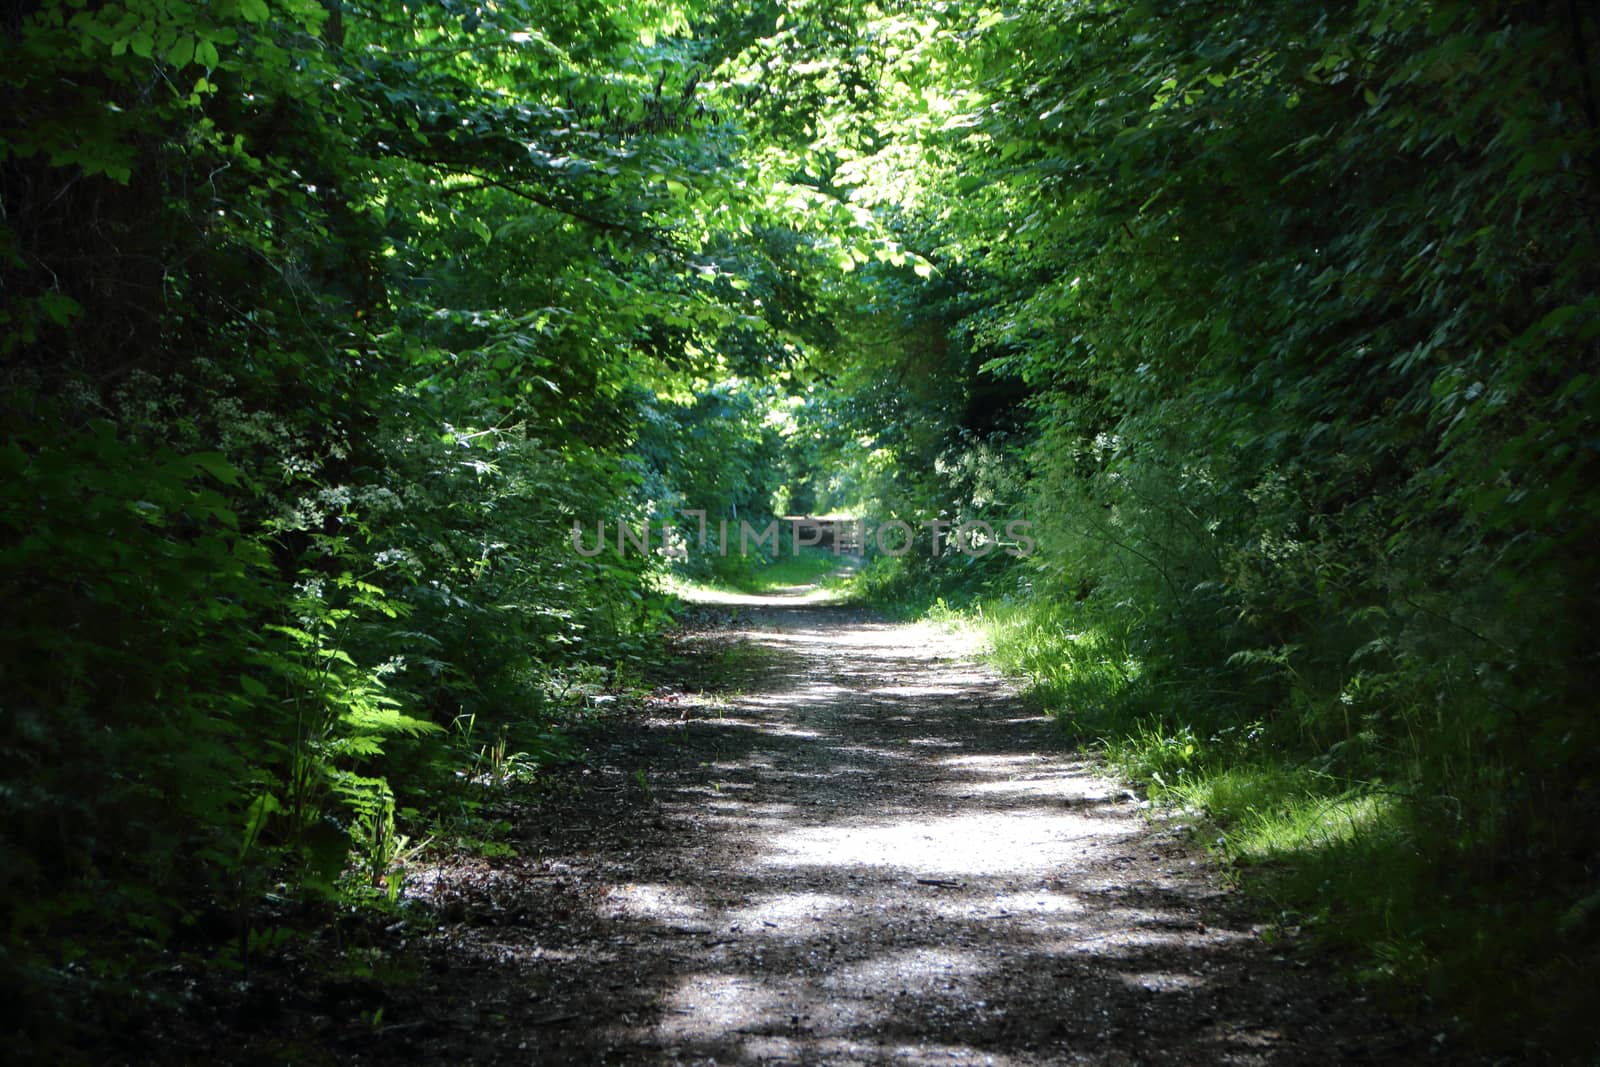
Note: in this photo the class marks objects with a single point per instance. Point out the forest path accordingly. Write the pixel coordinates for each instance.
(839, 841)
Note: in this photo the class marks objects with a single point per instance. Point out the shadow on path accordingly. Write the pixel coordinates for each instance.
(858, 847)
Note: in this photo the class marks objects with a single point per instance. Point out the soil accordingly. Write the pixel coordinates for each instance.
(828, 839)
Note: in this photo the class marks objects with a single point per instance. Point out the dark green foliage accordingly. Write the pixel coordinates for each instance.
(321, 326)
(322, 323)
(1327, 388)
(125, 717)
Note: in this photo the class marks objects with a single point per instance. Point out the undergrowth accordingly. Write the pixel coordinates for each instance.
(1353, 846)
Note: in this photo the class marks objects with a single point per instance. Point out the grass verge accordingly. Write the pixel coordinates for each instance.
(1426, 909)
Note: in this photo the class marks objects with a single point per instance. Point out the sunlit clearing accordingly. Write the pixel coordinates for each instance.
(654, 902)
(710, 1005)
(921, 970)
(695, 593)
(789, 914)
(993, 764)
(1070, 787)
(996, 845)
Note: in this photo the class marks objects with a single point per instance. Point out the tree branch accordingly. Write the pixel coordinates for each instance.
(557, 205)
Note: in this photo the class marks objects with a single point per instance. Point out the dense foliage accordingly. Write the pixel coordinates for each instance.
(1304, 302)
(323, 322)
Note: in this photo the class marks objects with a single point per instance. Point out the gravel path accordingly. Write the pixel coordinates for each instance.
(840, 841)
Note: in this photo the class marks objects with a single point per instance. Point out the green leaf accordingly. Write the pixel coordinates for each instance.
(255, 818)
(60, 308)
(1555, 320)
(181, 54)
(216, 465)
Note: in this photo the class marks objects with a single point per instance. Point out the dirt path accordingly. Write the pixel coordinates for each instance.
(857, 847)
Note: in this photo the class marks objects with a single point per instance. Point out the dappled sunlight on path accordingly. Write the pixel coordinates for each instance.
(858, 846)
